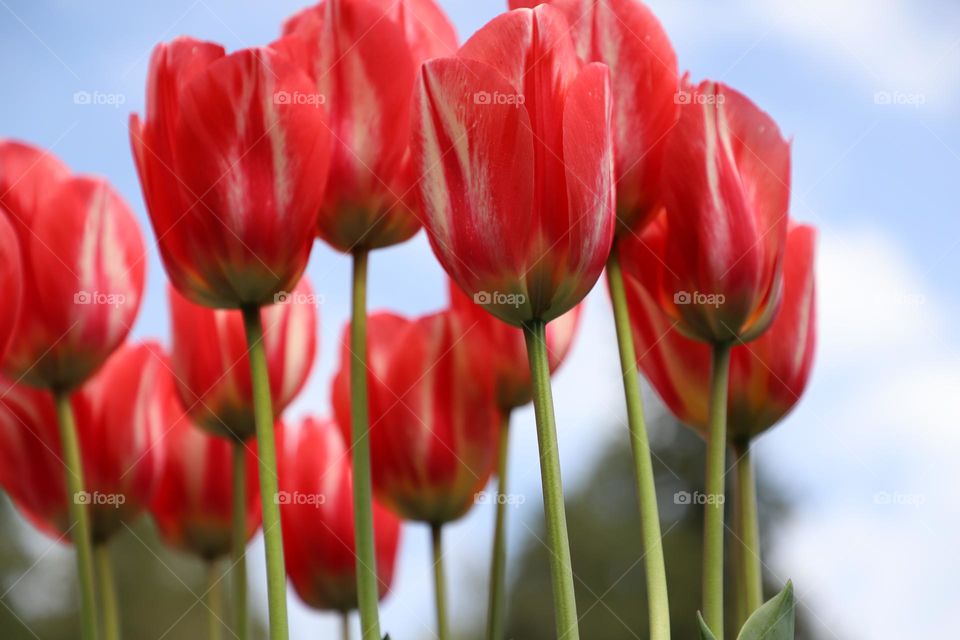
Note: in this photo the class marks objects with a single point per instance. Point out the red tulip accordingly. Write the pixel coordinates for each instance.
(192, 505)
(121, 415)
(11, 282)
(363, 56)
(433, 415)
(232, 170)
(507, 353)
(767, 376)
(316, 507)
(211, 364)
(82, 259)
(726, 190)
(628, 38)
(513, 143)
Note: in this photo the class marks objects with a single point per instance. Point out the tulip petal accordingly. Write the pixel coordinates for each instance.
(476, 163)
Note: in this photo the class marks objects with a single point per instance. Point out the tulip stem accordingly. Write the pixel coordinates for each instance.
(713, 509)
(367, 587)
(107, 588)
(267, 453)
(749, 528)
(657, 598)
(498, 563)
(561, 568)
(80, 522)
(440, 589)
(238, 569)
(214, 602)
(345, 625)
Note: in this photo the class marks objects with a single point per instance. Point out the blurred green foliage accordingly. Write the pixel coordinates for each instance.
(607, 553)
(160, 590)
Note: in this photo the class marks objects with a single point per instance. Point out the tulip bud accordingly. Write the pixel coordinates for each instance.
(433, 414)
(233, 167)
(82, 261)
(363, 57)
(512, 140)
(726, 187)
(193, 503)
(211, 364)
(316, 507)
(122, 416)
(767, 376)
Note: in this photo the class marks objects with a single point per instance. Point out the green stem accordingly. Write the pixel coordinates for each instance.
(657, 598)
(440, 590)
(238, 570)
(749, 528)
(561, 568)
(498, 563)
(80, 522)
(214, 602)
(267, 452)
(367, 587)
(713, 514)
(345, 625)
(108, 592)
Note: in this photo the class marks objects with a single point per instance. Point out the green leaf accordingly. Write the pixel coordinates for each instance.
(772, 621)
(705, 633)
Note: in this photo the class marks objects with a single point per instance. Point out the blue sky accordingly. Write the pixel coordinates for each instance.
(880, 416)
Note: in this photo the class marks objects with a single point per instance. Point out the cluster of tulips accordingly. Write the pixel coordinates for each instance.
(557, 142)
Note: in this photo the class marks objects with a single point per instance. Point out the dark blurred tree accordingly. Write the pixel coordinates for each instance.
(607, 555)
(158, 589)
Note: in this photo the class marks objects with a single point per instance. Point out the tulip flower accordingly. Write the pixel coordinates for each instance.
(628, 38)
(121, 417)
(434, 420)
(81, 247)
(719, 252)
(316, 505)
(11, 282)
(767, 376)
(193, 503)
(506, 353)
(363, 57)
(82, 257)
(209, 356)
(233, 157)
(232, 199)
(513, 143)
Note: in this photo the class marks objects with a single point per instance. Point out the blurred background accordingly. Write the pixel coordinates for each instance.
(859, 483)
